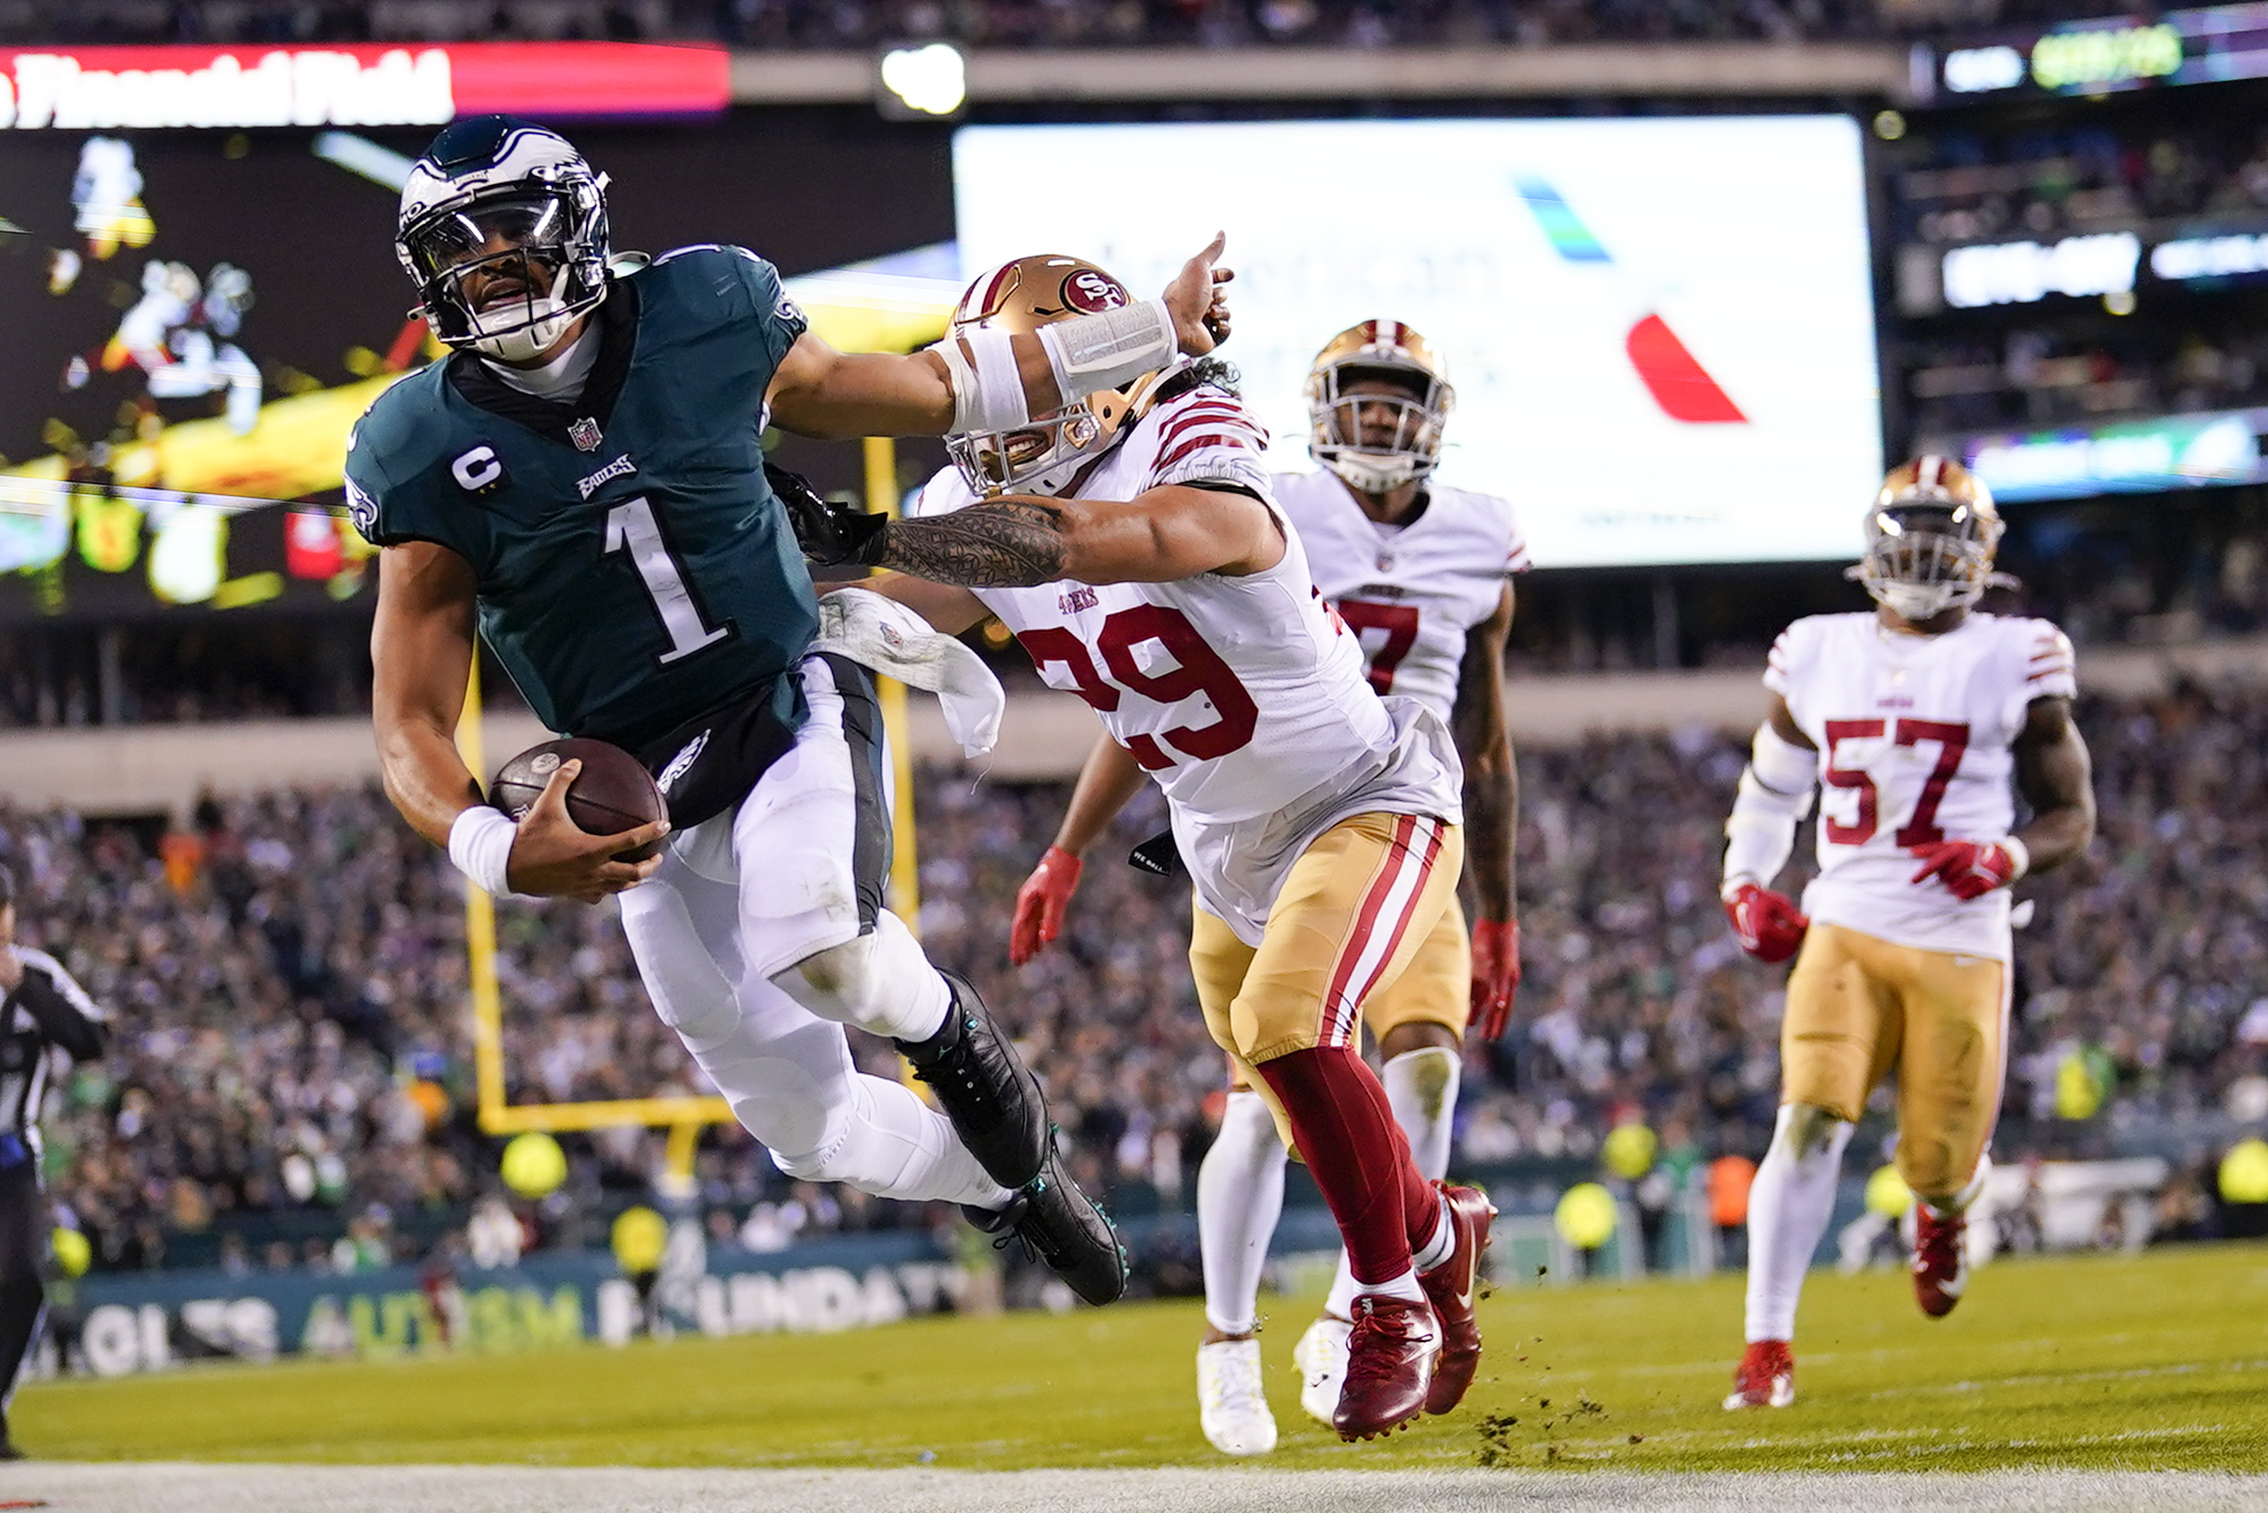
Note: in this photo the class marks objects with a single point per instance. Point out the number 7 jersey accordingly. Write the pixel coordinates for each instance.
(1915, 737)
(1244, 697)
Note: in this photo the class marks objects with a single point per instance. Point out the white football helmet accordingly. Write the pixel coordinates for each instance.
(1930, 539)
(518, 205)
(1378, 349)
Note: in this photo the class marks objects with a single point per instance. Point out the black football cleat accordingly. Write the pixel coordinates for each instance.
(983, 1086)
(1064, 1229)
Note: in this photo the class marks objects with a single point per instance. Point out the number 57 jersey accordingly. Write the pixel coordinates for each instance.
(1244, 697)
(1915, 737)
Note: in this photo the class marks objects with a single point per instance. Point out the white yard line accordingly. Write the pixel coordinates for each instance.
(198, 1488)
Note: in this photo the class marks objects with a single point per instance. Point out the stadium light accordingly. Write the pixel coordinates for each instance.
(926, 83)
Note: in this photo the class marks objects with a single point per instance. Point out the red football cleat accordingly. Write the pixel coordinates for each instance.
(1390, 1359)
(1941, 1260)
(1451, 1286)
(1765, 1377)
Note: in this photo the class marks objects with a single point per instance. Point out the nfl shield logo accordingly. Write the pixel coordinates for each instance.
(585, 434)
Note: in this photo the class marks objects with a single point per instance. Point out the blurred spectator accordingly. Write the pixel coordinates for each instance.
(264, 1067)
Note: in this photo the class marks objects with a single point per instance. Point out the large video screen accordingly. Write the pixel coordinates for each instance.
(193, 320)
(1661, 331)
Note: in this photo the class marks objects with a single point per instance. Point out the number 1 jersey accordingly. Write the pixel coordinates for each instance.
(1244, 697)
(635, 571)
(1915, 737)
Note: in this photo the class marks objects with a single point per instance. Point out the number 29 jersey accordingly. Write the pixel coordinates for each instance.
(1244, 697)
(1411, 593)
(1915, 737)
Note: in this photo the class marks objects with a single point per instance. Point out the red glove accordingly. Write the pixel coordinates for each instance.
(1769, 924)
(1969, 869)
(1040, 903)
(1496, 973)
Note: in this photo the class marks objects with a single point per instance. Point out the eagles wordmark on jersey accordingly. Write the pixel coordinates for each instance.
(635, 570)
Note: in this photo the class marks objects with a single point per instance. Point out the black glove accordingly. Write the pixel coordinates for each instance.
(1158, 856)
(830, 534)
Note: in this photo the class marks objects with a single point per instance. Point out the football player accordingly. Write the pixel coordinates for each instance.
(1419, 573)
(583, 476)
(1909, 724)
(1133, 546)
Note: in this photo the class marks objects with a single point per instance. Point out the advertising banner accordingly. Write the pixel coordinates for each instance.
(1661, 331)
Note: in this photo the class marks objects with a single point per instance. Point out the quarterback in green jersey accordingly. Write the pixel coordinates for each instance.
(582, 479)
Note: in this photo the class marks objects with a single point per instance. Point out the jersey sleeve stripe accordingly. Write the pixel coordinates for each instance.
(1177, 429)
(1199, 443)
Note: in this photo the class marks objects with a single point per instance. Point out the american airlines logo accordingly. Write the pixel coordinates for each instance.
(285, 87)
(1673, 376)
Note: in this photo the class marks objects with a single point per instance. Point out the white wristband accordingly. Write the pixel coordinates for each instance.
(480, 843)
(1109, 350)
(988, 387)
(2020, 854)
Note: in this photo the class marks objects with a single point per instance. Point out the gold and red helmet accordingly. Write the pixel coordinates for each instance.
(1019, 297)
(1378, 441)
(1930, 539)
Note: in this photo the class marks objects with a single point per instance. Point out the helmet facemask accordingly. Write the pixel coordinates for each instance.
(1042, 455)
(506, 268)
(1389, 451)
(1926, 557)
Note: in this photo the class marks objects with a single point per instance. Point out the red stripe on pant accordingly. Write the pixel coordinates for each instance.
(1342, 1004)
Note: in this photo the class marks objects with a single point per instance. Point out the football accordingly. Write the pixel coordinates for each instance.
(612, 793)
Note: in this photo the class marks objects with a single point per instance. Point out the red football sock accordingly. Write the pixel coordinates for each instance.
(1358, 1157)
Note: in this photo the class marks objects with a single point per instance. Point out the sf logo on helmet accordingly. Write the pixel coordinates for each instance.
(1091, 293)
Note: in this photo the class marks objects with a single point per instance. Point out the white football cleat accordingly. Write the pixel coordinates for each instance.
(1232, 1407)
(1321, 1356)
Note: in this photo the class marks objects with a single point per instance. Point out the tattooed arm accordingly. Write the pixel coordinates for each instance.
(1019, 540)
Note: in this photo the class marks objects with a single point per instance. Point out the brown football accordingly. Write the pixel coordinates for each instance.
(612, 793)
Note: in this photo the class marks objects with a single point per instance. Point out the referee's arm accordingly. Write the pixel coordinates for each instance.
(60, 1007)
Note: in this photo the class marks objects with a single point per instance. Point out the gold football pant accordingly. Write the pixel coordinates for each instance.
(1860, 1007)
(1353, 914)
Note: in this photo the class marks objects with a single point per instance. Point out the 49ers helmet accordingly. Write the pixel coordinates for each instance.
(1378, 349)
(1930, 539)
(1043, 454)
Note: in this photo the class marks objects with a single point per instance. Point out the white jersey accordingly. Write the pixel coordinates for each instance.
(1410, 592)
(1915, 737)
(1244, 697)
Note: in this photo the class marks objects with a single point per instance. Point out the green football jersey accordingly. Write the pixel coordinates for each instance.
(635, 569)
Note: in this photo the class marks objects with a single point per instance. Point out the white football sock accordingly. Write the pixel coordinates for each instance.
(1240, 1193)
(896, 1146)
(1421, 1088)
(1404, 1286)
(880, 982)
(1437, 1249)
(1788, 1209)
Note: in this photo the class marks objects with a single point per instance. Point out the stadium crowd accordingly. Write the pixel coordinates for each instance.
(1012, 23)
(292, 1071)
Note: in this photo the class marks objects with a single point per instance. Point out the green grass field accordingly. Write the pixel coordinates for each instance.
(2153, 1362)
